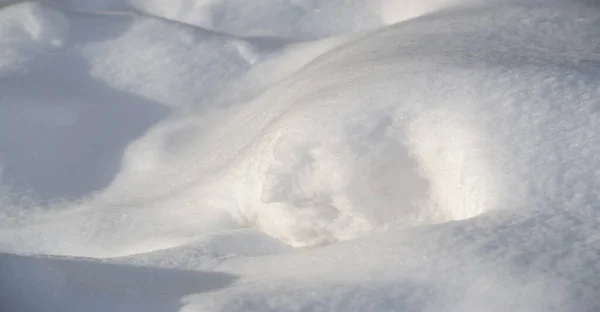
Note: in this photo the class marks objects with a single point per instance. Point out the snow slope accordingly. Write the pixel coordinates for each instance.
(169, 156)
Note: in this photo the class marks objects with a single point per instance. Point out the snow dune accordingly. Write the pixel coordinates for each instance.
(430, 156)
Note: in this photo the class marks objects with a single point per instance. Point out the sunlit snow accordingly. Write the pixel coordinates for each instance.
(300, 155)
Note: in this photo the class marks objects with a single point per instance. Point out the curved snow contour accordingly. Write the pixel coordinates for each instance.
(353, 143)
(339, 162)
(132, 191)
(294, 20)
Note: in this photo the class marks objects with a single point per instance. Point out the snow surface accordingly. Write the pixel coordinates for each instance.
(300, 155)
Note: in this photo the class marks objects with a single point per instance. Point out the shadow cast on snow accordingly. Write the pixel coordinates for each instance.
(50, 284)
(64, 130)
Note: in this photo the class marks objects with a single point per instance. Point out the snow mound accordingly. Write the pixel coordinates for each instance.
(352, 144)
(327, 168)
(448, 162)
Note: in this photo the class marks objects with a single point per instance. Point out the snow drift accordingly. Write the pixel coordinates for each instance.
(447, 161)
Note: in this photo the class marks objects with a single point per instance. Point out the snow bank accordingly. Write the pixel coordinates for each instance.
(363, 146)
(449, 161)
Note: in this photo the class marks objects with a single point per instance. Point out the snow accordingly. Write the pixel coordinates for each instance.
(382, 155)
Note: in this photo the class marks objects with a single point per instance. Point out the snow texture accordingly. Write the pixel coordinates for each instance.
(300, 155)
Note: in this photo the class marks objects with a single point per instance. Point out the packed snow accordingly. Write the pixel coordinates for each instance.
(300, 155)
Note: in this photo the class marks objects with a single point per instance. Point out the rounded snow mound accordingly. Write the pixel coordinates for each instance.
(395, 129)
(422, 122)
(339, 162)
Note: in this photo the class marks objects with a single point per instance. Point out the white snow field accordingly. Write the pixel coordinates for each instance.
(300, 155)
